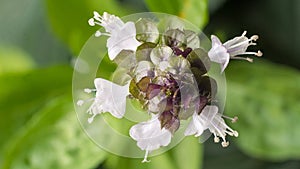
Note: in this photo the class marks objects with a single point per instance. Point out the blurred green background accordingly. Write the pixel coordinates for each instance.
(40, 39)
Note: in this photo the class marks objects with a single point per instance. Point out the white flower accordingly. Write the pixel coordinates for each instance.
(210, 119)
(150, 136)
(110, 97)
(222, 53)
(121, 35)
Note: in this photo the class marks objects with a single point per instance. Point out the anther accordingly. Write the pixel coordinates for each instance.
(244, 33)
(91, 119)
(96, 14)
(145, 157)
(233, 120)
(225, 144)
(86, 90)
(80, 102)
(91, 22)
(259, 53)
(249, 60)
(254, 37)
(98, 34)
(216, 139)
(235, 133)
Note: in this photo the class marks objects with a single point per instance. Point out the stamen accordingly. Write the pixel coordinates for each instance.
(232, 132)
(96, 14)
(80, 102)
(98, 34)
(216, 138)
(254, 37)
(89, 90)
(229, 132)
(249, 60)
(218, 132)
(91, 22)
(235, 133)
(91, 119)
(248, 41)
(244, 33)
(145, 157)
(241, 58)
(259, 53)
(225, 144)
(233, 120)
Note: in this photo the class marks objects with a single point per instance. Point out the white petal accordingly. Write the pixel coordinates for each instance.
(215, 40)
(110, 98)
(123, 39)
(196, 126)
(149, 135)
(218, 53)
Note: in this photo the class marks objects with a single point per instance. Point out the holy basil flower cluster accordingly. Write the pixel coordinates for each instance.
(166, 71)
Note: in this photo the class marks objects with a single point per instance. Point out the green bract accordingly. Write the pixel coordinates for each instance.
(146, 31)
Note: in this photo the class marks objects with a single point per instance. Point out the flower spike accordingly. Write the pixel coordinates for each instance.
(169, 75)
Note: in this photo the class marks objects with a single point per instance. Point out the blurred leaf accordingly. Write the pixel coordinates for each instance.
(232, 157)
(38, 128)
(266, 98)
(194, 11)
(187, 154)
(162, 161)
(24, 25)
(22, 94)
(13, 59)
(69, 19)
(215, 156)
(214, 5)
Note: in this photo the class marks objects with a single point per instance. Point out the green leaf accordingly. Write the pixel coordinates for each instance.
(188, 154)
(22, 94)
(38, 127)
(215, 156)
(161, 161)
(69, 19)
(13, 59)
(195, 11)
(266, 98)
